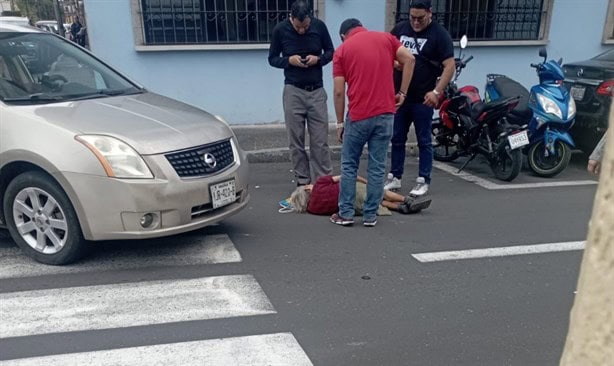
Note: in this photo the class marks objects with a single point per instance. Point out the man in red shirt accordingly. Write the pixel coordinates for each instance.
(365, 62)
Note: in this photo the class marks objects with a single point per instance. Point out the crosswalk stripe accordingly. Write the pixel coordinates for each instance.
(280, 349)
(498, 252)
(193, 250)
(130, 304)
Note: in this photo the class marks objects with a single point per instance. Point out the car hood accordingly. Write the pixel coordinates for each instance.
(148, 122)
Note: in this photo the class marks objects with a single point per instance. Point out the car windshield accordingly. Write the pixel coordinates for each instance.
(41, 68)
(606, 56)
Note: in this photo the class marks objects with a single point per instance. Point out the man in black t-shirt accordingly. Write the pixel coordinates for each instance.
(301, 46)
(434, 52)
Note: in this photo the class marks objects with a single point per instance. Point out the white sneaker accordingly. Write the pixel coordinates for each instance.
(421, 187)
(392, 183)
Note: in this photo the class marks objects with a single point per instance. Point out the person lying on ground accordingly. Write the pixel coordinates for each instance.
(322, 198)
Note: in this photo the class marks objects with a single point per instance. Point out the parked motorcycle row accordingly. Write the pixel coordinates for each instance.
(510, 122)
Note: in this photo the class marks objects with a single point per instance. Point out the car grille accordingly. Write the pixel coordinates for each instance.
(191, 162)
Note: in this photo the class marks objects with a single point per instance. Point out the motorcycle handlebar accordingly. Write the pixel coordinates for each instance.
(535, 66)
(463, 63)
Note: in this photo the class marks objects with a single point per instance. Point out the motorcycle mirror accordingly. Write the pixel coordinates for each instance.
(543, 53)
(463, 42)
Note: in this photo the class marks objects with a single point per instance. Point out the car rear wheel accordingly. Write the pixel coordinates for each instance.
(586, 139)
(41, 219)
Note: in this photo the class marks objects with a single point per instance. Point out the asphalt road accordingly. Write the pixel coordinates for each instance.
(329, 295)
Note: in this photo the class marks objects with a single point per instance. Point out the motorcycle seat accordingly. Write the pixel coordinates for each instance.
(494, 110)
(506, 88)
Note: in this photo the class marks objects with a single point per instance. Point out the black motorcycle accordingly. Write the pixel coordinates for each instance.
(467, 126)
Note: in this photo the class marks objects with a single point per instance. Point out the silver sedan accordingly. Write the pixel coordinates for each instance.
(87, 154)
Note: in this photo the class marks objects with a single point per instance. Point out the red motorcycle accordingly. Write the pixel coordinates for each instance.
(467, 126)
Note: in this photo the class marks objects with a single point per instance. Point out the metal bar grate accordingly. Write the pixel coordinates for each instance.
(486, 20)
(168, 22)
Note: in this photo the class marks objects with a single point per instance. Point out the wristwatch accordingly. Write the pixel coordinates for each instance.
(339, 124)
(436, 92)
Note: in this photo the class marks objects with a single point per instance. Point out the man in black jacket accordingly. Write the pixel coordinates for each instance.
(301, 45)
(432, 47)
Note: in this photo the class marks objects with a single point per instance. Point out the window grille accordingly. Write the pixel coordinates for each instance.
(487, 20)
(180, 22)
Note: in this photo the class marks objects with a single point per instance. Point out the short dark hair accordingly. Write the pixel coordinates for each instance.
(348, 25)
(420, 4)
(300, 10)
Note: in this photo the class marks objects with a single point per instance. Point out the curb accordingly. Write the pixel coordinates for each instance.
(267, 143)
(282, 155)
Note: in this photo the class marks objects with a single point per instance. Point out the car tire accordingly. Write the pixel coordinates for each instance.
(586, 140)
(47, 230)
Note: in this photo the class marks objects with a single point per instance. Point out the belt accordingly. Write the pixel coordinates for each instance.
(308, 87)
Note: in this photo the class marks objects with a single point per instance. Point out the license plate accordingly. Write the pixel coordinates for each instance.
(519, 139)
(577, 92)
(223, 194)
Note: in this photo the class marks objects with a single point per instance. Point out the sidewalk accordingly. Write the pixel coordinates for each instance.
(269, 143)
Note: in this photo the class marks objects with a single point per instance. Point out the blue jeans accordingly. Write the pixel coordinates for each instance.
(422, 117)
(375, 132)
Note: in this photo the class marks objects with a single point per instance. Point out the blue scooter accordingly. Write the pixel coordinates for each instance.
(549, 110)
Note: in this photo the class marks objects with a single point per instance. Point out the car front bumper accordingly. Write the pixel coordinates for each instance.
(112, 209)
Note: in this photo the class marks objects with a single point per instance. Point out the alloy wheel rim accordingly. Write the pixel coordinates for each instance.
(40, 220)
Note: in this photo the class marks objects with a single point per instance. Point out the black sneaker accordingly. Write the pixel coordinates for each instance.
(414, 204)
(338, 220)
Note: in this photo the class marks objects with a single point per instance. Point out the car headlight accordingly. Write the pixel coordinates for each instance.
(571, 109)
(549, 106)
(118, 159)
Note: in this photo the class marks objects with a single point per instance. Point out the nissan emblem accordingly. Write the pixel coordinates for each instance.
(209, 159)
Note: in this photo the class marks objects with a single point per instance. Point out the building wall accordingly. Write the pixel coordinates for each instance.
(242, 87)
(5, 5)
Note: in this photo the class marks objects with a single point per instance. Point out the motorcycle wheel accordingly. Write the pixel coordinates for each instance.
(507, 163)
(445, 142)
(549, 166)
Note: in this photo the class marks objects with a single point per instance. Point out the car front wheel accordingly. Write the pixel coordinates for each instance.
(42, 220)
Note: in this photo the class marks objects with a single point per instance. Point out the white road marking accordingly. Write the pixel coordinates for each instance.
(498, 252)
(191, 250)
(279, 349)
(484, 183)
(130, 304)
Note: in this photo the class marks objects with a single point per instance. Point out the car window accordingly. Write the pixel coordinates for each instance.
(41, 67)
(606, 56)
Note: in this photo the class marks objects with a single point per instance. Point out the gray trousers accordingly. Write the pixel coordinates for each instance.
(307, 107)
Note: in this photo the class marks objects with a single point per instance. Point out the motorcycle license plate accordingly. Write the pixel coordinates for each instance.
(577, 92)
(519, 139)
